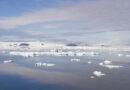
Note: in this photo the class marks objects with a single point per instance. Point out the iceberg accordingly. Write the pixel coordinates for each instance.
(44, 64)
(112, 66)
(92, 77)
(48, 64)
(38, 64)
(75, 60)
(128, 55)
(107, 62)
(89, 62)
(101, 64)
(8, 61)
(98, 73)
(120, 55)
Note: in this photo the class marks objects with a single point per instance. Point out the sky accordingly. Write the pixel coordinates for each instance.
(83, 21)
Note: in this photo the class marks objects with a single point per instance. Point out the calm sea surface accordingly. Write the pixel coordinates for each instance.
(22, 74)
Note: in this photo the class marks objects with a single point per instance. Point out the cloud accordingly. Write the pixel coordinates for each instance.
(80, 20)
(25, 35)
(114, 42)
(52, 26)
(101, 14)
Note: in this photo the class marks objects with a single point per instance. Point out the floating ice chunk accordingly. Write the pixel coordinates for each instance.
(120, 54)
(101, 64)
(48, 65)
(38, 64)
(98, 73)
(92, 77)
(79, 54)
(107, 62)
(89, 62)
(8, 61)
(112, 66)
(128, 55)
(24, 54)
(44, 64)
(75, 60)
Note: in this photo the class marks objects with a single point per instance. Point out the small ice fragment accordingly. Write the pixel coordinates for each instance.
(120, 54)
(89, 62)
(75, 60)
(98, 73)
(50, 65)
(128, 55)
(38, 64)
(109, 66)
(8, 61)
(112, 66)
(92, 77)
(107, 62)
(101, 64)
(44, 64)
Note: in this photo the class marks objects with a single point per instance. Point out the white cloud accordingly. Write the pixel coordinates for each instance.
(114, 42)
(76, 20)
(101, 14)
(52, 26)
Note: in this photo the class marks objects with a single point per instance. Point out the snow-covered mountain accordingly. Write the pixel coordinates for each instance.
(29, 45)
(53, 46)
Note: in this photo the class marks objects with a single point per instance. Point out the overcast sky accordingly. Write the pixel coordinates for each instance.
(87, 21)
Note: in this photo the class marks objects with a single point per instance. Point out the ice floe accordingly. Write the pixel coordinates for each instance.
(128, 55)
(48, 64)
(89, 62)
(53, 52)
(25, 54)
(92, 77)
(75, 60)
(44, 64)
(120, 54)
(108, 64)
(112, 66)
(38, 64)
(98, 73)
(101, 64)
(37, 45)
(8, 61)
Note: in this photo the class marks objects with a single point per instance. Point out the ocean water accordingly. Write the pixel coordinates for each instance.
(22, 74)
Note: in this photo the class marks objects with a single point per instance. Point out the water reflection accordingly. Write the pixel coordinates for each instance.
(70, 75)
(48, 77)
